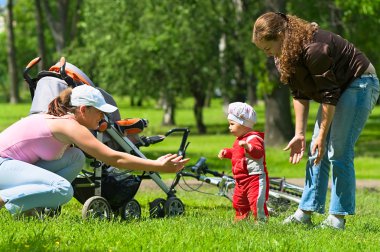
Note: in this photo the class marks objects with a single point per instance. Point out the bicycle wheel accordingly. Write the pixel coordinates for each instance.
(229, 194)
(280, 202)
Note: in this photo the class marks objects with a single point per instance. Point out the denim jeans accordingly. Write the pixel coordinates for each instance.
(351, 114)
(24, 186)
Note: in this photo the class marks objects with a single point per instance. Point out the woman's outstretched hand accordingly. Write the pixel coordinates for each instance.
(297, 148)
(172, 162)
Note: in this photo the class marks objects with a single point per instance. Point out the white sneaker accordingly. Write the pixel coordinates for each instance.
(293, 219)
(333, 222)
(299, 217)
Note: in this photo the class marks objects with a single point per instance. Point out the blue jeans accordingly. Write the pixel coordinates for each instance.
(351, 114)
(25, 186)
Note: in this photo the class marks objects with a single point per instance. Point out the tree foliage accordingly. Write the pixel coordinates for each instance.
(172, 48)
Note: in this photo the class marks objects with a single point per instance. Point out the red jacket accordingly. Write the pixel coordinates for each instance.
(252, 162)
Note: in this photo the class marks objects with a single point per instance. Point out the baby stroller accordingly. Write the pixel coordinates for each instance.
(105, 190)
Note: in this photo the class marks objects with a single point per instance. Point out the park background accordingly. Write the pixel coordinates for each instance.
(178, 64)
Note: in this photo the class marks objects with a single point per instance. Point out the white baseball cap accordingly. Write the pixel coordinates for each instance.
(89, 96)
(242, 113)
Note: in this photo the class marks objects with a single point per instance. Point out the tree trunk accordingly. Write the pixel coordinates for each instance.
(241, 85)
(200, 99)
(40, 36)
(336, 22)
(278, 128)
(251, 91)
(75, 19)
(169, 111)
(12, 67)
(57, 24)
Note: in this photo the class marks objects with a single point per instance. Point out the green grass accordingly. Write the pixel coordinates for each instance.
(208, 221)
(206, 226)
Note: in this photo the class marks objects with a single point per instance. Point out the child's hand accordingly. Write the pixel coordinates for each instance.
(221, 154)
(244, 144)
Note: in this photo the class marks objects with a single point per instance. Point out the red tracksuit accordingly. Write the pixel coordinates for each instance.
(251, 176)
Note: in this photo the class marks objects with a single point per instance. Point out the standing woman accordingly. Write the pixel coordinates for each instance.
(38, 162)
(321, 66)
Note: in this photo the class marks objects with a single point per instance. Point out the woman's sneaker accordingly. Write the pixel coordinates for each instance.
(293, 219)
(333, 222)
(299, 217)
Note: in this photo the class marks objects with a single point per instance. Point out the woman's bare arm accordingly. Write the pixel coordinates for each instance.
(70, 131)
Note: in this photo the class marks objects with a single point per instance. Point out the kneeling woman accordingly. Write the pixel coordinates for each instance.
(38, 162)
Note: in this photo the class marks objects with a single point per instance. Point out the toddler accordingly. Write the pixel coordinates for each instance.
(248, 163)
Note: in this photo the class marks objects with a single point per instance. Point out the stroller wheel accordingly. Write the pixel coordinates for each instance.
(174, 207)
(157, 208)
(96, 207)
(130, 210)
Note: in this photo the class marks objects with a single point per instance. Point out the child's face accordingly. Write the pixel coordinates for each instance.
(237, 129)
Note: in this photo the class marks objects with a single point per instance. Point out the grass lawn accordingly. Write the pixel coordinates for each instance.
(207, 225)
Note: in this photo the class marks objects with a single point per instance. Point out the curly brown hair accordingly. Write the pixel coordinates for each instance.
(60, 106)
(297, 34)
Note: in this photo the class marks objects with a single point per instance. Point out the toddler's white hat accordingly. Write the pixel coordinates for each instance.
(242, 113)
(89, 96)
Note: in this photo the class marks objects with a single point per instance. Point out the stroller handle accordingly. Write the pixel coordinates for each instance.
(184, 130)
(32, 63)
(184, 144)
(32, 85)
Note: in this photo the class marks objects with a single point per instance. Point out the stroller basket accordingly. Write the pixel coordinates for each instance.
(118, 187)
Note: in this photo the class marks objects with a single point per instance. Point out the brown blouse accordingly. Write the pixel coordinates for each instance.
(328, 65)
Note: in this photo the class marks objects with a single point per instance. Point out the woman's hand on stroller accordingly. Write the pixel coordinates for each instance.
(172, 162)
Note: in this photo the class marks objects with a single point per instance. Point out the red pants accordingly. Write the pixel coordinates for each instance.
(250, 195)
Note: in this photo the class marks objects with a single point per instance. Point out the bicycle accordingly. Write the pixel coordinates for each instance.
(282, 194)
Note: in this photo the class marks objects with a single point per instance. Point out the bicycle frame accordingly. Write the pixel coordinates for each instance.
(278, 187)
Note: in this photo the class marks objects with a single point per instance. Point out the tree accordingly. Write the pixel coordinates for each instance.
(168, 50)
(358, 19)
(238, 59)
(160, 50)
(40, 35)
(200, 55)
(62, 21)
(278, 121)
(12, 67)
